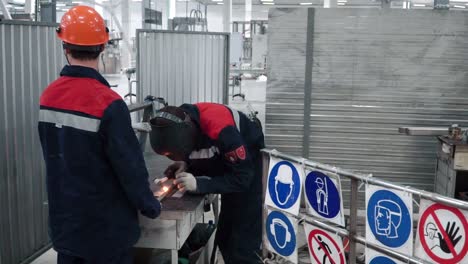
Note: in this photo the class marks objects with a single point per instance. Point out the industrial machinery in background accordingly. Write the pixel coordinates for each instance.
(152, 18)
(129, 72)
(110, 59)
(254, 44)
(14, 9)
(451, 176)
(248, 53)
(193, 21)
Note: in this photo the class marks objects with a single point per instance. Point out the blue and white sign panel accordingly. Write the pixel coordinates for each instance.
(323, 196)
(281, 234)
(284, 185)
(374, 257)
(389, 218)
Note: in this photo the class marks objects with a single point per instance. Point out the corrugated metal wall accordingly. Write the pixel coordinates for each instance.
(183, 67)
(30, 58)
(284, 121)
(369, 72)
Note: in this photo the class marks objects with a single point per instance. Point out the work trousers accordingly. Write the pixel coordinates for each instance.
(239, 233)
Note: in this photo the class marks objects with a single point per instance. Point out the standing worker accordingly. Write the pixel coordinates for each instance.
(222, 146)
(96, 175)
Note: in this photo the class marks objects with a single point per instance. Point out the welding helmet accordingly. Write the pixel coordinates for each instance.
(172, 133)
(83, 28)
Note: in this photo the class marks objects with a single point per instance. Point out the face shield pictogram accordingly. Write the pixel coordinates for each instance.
(387, 218)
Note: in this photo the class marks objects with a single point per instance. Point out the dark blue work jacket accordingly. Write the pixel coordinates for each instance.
(96, 175)
(226, 151)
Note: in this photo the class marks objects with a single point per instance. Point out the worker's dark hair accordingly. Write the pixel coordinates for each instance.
(84, 55)
(84, 52)
(174, 110)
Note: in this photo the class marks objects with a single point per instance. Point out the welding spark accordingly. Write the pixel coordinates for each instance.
(165, 189)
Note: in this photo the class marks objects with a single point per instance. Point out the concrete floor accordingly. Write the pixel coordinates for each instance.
(255, 95)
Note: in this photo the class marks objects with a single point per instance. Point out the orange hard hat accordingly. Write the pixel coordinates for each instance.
(83, 26)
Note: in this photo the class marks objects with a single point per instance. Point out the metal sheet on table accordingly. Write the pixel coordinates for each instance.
(173, 208)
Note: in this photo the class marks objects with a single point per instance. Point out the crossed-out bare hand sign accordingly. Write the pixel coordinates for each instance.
(452, 235)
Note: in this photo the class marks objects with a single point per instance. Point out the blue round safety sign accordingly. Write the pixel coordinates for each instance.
(381, 260)
(284, 184)
(281, 233)
(322, 194)
(388, 218)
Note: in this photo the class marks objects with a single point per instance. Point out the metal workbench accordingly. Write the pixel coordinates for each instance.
(178, 216)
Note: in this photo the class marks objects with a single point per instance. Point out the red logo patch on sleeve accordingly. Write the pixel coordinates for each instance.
(240, 151)
(235, 155)
(231, 156)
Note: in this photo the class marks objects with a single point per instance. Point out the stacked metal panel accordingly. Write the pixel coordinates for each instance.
(183, 67)
(368, 72)
(30, 58)
(287, 41)
(375, 71)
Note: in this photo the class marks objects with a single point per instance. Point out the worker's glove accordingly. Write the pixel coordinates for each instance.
(186, 182)
(175, 168)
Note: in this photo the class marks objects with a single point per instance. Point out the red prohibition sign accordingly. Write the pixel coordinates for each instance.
(313, 236)
(431, 211)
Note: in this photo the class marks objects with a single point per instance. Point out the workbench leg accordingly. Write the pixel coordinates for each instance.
(174, 257)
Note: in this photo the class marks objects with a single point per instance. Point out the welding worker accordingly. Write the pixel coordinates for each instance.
(217, 150)
(97, 180)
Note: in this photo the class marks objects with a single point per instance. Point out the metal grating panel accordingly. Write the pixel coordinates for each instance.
(372, 71)
(30, 58)
(183, 67)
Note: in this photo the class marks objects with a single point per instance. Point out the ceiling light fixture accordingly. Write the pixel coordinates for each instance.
(268, 3)
(459, 6)
(305, 3)
(341, 4)
(419, 5)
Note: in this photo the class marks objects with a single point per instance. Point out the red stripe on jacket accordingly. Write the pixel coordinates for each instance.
(85, 95)
(214, 118)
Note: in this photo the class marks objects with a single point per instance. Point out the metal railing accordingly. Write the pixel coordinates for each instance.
(356, 179)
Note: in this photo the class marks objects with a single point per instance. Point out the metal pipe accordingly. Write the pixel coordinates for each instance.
(389, 252)
(361, 240)
(140, 106)
(265, 165)
(353, 221)
(369, 179)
